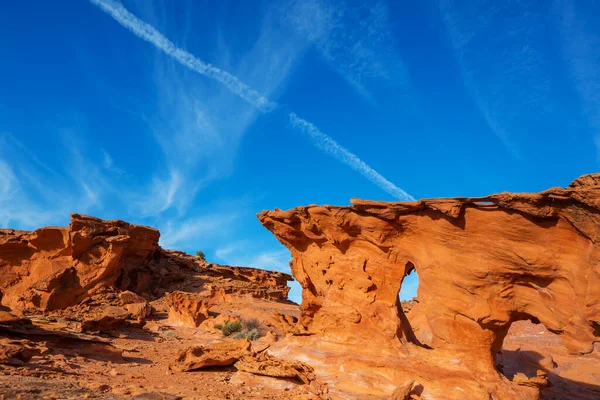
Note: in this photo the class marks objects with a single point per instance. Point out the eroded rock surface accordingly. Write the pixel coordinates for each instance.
(186, 309)
(56, 267)
(217, 354)
(84, 313)
(483, 263)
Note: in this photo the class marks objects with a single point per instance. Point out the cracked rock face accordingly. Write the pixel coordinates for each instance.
(483, 263)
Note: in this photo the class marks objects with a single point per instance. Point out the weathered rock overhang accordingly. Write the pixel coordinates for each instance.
(482, 262)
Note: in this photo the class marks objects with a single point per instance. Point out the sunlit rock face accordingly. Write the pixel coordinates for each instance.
(53, 268)
(483, 263)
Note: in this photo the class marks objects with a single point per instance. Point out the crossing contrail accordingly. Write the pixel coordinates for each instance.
(322, 141)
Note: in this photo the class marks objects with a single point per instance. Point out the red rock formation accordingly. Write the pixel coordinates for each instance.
(54, 268)
(246, 358)
(216, 354)
(483, 263)
(186, 309)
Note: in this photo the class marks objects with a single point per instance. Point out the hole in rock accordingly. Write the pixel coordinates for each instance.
(408, 291)
(517, 354)
(409, 284)
(484, 203)
(530, 346)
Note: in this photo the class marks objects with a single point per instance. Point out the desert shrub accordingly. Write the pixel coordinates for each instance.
(229, 327)
(252, 334)
(250, 324)
(171, 335)
(200, 255)
(245, 329)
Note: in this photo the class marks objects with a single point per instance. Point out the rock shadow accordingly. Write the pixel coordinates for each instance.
(560, 388)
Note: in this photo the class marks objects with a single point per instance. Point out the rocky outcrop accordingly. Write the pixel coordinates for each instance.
(109, 319)
(83, 313)
(217, 354)
(56, 267)
(266, 365)
(483, 263)
(186, 309)
(247, 358)
(53, 268)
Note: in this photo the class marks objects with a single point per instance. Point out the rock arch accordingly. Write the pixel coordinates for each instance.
(483, 264)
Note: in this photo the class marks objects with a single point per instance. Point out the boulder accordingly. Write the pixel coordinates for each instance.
(110, 319)
(216, 354)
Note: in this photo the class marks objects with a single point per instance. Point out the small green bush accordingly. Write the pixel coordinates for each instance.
(229, 327)
(251, 335)
(245, 329)
(200, 255)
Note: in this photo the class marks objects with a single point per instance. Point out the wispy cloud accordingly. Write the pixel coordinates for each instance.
(199, 231)
(498, 48)
(255, 98)
(148, 33)
(33, 194)
(109, 164)
(199, 125)
(249, 254)
(162, 195)
(581, 40)
(8, 182)
(355, 38)
(328, 145)
(22, 195)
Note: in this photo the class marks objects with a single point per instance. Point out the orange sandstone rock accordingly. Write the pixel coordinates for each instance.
(186, 309)
(216, 354)
(483, 263)
(54, 268)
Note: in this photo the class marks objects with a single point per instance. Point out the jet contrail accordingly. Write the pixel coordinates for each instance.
(325, 143)
(328, 145)
(147, 32)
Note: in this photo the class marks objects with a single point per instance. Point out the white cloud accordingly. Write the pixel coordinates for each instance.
(17, 210)
(199, 231)
(499, 51)
(8, 182)
(581, 41)
(109, 164)
(251, 254)
(33, 195)
(354, 38)
(161, 196)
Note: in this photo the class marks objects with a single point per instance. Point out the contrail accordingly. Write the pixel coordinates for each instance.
(147, 32)
(328, 145)
(325, 143)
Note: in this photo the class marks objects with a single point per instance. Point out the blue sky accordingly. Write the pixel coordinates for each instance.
(192, 116)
